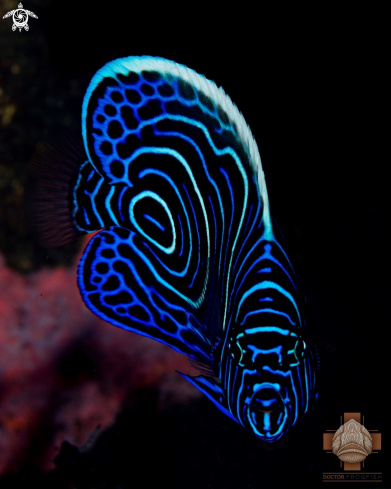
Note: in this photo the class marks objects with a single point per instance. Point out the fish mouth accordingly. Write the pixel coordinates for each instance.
(267, 413)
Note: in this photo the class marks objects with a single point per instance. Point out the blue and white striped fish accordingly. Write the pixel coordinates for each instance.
(187, 251)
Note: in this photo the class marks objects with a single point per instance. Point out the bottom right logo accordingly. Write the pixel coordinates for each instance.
(352, 443)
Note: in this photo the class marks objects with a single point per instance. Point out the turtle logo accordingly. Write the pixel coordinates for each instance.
(20, 17)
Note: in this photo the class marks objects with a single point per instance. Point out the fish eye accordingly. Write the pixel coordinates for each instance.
(236, 352)
(295, 354)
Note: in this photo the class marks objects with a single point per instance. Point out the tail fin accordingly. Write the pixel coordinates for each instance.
(51, 176)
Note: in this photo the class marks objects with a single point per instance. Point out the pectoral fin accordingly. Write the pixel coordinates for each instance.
(212, 390)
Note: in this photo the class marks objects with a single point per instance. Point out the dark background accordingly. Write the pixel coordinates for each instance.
(312, 83)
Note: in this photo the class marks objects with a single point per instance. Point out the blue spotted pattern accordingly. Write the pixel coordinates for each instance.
(189, 254)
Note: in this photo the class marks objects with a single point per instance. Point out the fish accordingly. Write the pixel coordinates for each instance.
(168, 175)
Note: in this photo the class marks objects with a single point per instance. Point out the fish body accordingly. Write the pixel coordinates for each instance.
(187, 253)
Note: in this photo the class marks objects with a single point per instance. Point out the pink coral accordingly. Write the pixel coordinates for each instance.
(63, 370)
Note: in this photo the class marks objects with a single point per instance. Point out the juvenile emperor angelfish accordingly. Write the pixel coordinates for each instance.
(187, 252)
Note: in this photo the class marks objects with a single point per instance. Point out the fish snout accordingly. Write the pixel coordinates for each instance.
(267, 412)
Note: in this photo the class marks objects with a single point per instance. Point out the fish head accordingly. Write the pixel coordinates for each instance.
(271, 381)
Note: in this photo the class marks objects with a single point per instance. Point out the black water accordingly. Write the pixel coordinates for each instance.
(313, 84)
